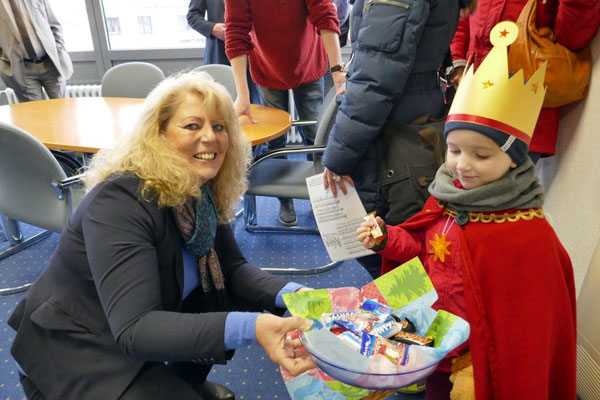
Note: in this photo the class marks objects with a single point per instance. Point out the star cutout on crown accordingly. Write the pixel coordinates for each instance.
(488, 84)
(439, 248)
(534, 87)
(504, 33)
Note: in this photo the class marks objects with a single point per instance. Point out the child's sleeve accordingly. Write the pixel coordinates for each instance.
(402, 245)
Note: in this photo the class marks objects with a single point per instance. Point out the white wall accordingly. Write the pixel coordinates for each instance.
(572, 177)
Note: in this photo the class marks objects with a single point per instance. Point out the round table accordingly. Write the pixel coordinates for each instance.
(89, 124)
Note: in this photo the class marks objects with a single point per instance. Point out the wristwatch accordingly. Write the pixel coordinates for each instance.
(337, 68)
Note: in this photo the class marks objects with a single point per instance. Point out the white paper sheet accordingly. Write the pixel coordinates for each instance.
(337, 218)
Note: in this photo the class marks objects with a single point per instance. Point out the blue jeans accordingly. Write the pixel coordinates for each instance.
(308, 99)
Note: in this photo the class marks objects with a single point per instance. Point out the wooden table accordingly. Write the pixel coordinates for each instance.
(88, 124)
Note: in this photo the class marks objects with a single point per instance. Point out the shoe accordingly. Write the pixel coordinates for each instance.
(287, 214)
(214, 391)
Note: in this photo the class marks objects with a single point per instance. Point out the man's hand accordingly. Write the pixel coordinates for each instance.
(330, 179)
(456, 76)
(218, 31)
(242, 107)
(272, 336)
(339, 79)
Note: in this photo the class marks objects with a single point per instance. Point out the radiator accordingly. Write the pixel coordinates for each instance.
(71, 91)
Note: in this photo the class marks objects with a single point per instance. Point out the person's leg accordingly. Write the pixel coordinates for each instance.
(195, 375)
(372, 264)
(280, 99)
(308, 99)
(51, 80)
(277, 99)
(156, 381)
(29, 90)
(438, 386)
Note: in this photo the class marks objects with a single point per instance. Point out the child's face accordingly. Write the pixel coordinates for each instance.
(475, 159)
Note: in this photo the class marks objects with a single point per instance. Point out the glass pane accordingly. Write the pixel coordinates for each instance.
(74, 20)
(149, 24)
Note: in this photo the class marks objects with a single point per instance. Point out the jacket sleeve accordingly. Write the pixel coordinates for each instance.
(55, 26)
(402, 245)
(376, 77)
(120, 233)
(460, 42)
(576, 22)
(322, 14)
(196, 18)
(238, 24)
(250, 287)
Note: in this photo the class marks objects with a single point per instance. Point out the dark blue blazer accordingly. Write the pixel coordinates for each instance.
(111, 298)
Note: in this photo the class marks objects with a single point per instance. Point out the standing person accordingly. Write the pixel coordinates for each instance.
(574, 23)
(147, 270)
(393, 79)
(207, 17)
(32, 50)
(492, 257)
(285, 52)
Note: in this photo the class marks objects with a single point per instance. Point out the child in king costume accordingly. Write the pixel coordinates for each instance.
(487, 247)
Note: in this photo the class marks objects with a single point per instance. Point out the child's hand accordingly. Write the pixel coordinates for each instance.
(364, 233)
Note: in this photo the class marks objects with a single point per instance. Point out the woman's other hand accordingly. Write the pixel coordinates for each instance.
(456, 76)
(272, 336)
(364, 233)
(330, 179)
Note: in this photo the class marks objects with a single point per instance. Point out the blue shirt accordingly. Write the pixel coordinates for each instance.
(240, 327)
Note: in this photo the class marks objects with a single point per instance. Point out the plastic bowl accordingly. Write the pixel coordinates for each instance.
(366, 380)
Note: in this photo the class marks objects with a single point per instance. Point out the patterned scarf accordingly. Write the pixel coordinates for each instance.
(197, 223)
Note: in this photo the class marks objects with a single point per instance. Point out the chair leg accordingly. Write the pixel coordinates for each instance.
(13, 233)
(304, 271)
(251, 220)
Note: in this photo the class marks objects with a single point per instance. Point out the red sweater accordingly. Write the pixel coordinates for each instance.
(574, 22)
(280, 38)
(513, 282)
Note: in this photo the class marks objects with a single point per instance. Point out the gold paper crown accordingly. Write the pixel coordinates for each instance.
(490, 97)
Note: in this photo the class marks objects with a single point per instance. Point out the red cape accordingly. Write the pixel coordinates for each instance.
(520, 301)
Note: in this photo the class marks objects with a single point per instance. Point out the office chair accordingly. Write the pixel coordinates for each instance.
(222, 74)
(275, 177)
(35, 190)
(132, 79)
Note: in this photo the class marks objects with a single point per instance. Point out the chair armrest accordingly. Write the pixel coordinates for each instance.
(66, 183)
(285, 151)
(299, 122)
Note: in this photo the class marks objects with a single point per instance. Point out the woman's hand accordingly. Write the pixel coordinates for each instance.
(271, 335)
(242, 107)
(330, 179)
(364, 233)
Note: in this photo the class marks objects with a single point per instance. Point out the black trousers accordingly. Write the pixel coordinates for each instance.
(155, 381)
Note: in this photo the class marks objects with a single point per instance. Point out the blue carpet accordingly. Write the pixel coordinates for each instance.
(251, 375)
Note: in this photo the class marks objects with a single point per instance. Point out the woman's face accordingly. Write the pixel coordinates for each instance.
(475, 159)
(202, 141)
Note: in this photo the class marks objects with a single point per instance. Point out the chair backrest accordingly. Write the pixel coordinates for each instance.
(27, 171)
(222, 74)
(132, 79)
(325, 121)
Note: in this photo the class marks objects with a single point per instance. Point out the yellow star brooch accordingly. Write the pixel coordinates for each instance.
(439, 248)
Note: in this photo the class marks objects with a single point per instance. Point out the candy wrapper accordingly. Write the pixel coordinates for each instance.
(345, 373)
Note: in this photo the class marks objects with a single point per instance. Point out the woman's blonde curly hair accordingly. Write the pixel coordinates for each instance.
(165, 173)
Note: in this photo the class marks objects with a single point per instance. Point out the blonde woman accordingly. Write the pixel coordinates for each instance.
(136, 302)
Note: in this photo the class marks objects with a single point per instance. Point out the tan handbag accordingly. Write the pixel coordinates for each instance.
(567, 72)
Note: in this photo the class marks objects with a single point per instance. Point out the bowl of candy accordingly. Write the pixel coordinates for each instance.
(383, 336)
